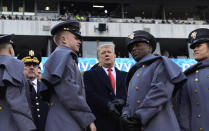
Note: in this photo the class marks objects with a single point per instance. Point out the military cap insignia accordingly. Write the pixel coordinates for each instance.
(31, 53)
(66, 28)
(131, 36)
(11, 42)
(194, 35)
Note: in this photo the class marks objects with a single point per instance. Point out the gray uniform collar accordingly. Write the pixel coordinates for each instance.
(13, 69)
(174, 72)
(199, 65)
(67, 48)
(74, 54)
(148, 58)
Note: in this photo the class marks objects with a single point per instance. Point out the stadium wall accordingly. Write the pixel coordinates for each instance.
(89, 29)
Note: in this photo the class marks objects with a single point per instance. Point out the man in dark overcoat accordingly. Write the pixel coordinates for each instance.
(32, 59)
(151, 85)
(105, 98)
(69, 110)
(15, 113)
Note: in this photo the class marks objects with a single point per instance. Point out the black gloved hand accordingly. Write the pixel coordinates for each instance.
(113, 110)
(119, 102)
(131, 123)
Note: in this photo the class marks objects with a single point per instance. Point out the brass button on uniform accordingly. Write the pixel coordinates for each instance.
(37, 103)
(137, 75)
(197, 103)
(36, 97)
(197, 71)
(196, 80)
(201, 129)
(39, 115)
(137, 88)
(198, 116)
(1, 108)
(110, 93)
(128, 94)
(143, 66)
(38, 109)
(195, 91)
(138, 101)
(50, 104)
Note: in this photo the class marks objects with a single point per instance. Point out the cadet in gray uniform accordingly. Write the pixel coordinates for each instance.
(194, 107)
(15, 113)
(69, 110)
(151, 84)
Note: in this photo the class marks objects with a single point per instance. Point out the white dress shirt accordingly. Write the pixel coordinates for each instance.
(35, 82)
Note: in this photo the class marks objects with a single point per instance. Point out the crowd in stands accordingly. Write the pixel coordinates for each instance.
(90, 18)
(16, 17)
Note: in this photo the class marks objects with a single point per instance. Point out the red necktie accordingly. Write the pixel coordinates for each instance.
(111, 77)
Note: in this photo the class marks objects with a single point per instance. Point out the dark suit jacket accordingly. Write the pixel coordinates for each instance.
(99, 92)
(39, 107)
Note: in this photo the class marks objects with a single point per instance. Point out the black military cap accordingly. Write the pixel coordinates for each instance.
(198, 36)
(71, 26)
(141, 36)
(30, 56)
(6, 39)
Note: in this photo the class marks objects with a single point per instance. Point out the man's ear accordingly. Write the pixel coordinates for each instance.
(63, 39)
(11, 51)
(150, 49)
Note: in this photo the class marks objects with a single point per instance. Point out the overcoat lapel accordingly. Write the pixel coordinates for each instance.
(101, 74)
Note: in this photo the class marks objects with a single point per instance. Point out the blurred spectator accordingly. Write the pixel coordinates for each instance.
(16, 17)
(36, 18)
(81, 16)
(3, 17)
(9, 17)
(153, 21)
(21, 18)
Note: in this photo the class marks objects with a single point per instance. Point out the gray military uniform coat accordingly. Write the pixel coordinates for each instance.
(69, 110)
(15, 113)
(194, 107)
(150, 88)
